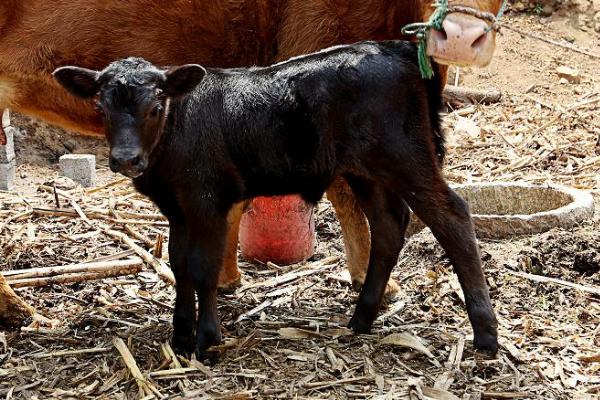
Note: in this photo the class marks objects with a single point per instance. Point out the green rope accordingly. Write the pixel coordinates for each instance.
(421, 29)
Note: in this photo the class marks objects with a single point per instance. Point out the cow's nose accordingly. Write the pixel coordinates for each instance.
(463, 40)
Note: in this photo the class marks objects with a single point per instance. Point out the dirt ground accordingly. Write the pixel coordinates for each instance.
(287, 340)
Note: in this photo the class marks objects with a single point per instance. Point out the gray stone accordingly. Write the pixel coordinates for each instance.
(7, 175)
(79, 167)
(568, 73)
(504, 210)
(7, 152)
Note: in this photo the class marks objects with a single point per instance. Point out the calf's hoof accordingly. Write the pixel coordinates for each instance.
(359, 325)
(184, 345)
(486, 343)
(207, 337)
(207, 357)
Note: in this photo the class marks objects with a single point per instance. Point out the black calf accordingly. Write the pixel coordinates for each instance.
(197, 141)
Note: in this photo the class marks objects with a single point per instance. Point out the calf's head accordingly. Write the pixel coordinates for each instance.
(465, 39)
(133, 96)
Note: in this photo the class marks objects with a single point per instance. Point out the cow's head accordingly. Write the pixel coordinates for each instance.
(133, 96)
(464, 39)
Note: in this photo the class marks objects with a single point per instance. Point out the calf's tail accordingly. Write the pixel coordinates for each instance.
(434, 98)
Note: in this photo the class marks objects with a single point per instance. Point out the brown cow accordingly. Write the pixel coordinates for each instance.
(37, 36)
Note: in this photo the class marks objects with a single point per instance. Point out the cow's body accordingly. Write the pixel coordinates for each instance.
(36, 36)
(198, 142)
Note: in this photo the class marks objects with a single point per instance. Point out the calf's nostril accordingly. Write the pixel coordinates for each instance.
(113, 164)
(135, 161)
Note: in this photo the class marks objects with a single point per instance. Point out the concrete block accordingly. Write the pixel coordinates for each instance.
(79, 167)
(7, 175)
(7, 151)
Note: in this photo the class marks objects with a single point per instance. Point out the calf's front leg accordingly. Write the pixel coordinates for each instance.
(184, 315)
(204, 256)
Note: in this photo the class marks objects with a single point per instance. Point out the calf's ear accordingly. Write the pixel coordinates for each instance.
(182, 80)
(81, 82)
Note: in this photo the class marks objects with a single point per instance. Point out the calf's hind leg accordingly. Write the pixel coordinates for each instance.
(447, 215)
(388, 218)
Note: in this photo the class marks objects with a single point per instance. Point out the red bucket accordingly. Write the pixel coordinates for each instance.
(278, 229)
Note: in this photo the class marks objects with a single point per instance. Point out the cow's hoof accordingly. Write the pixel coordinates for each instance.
(231, 285)
(391, 290)
(357, 284)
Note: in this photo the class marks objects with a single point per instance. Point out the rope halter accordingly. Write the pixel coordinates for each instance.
(421, 29)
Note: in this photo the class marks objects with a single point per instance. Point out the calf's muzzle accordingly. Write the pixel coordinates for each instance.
(128, 161)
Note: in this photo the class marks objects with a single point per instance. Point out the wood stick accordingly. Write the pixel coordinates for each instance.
(145, 387)
(505, 395)
(81, 213)
(73, 352)
(76, 277)
(317, 266)
(56, 199)
(15, 218)
(158, 246)
(545, 279)
(462, 95)
(141, 216)
(113, 183)
(160, 267)
(100, 266)
(112, 257)
(552, 42)
(137, 235)
(326, 384)
(171, 372)
(64, 212)
(141, 222)
(170, 355)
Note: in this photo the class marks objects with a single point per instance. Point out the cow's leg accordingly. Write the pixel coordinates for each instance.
(184, 315)
(13, 310)
(355, 232)
(207, 233)
(388, 218)
(447, 215)
(230, 276)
